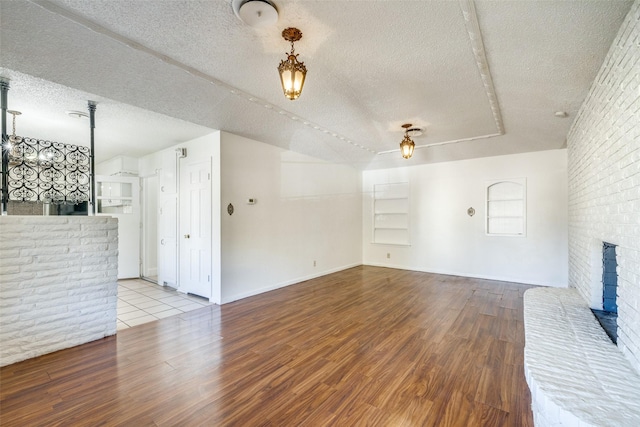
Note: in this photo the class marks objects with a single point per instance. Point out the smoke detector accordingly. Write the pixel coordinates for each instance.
(255, 13)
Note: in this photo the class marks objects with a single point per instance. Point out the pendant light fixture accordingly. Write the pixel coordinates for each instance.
(14, 139)
(407, 145)
(292, 72)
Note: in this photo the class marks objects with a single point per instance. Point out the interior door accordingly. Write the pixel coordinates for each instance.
(149, 240)
(167, 241)
(195, 228)
(168, 220)
(119, 197)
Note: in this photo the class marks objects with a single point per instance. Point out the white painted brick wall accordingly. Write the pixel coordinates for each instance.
(604, 183)
(576, 375)
(58, 283)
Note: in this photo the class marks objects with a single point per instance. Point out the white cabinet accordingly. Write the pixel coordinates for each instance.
(114, 197)
(119, 197)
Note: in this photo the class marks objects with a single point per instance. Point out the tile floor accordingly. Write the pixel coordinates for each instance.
(140, 302)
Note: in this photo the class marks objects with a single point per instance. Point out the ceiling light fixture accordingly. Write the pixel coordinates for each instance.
(77, 114)
(256, 13)
(413, 132)
(292, 72)
(13, 139)
(407, 145)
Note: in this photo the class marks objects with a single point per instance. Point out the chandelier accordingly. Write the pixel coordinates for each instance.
(13, 139)
(292, 72)
(407, 145)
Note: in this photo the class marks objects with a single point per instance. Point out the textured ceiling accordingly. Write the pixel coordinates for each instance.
(482, 78)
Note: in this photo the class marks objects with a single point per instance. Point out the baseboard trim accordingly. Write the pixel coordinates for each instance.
(472, 276)
(287, 283)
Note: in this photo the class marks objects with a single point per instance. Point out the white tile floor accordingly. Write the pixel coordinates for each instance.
(140, 302)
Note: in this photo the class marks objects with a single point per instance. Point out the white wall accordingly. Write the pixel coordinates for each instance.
(150, 164)
(119, 165)
(604, 183)
(307, 210)
(444, 239)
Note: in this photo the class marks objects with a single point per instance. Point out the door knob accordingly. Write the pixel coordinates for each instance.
(186, 236)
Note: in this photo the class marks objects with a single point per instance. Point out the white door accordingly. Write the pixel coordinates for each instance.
(168, 221)
(149, 240)
(120, 197)
(167, 240)
(195, 228)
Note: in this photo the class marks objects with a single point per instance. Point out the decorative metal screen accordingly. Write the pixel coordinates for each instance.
(49, 172)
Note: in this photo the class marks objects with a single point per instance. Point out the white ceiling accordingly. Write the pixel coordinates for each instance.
(482, 78)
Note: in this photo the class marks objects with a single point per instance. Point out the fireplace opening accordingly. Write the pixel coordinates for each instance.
(608, 316)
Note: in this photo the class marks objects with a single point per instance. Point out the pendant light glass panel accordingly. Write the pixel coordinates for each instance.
(292, 77)
(406, 148)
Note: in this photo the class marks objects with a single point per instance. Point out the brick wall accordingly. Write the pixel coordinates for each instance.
(604, 183)
(58, 283)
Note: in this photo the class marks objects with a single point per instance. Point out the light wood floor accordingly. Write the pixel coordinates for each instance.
(366, 346)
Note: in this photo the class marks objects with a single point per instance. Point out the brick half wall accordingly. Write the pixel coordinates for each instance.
(58, 283)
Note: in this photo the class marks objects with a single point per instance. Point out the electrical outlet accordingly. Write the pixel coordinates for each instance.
(388, 255)
(314, 262)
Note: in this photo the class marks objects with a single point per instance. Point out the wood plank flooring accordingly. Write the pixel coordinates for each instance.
(365, 346)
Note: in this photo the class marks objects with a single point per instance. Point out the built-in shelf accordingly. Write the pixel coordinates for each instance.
(506, 207)
(391, 214)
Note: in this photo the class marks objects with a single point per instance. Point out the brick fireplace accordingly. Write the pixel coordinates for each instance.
(608, 316)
